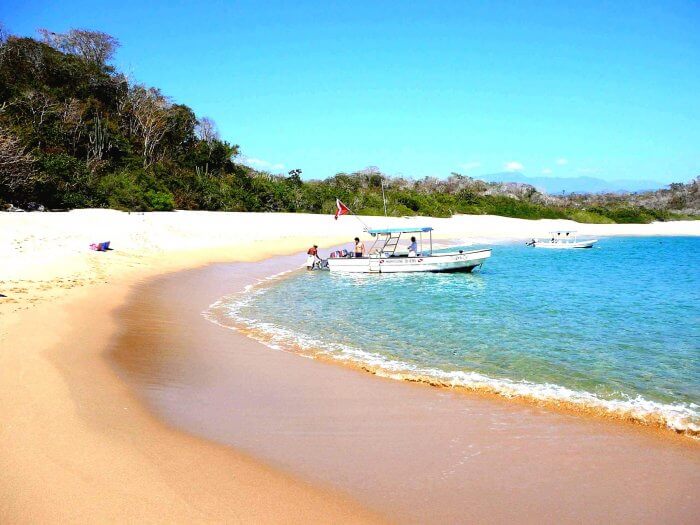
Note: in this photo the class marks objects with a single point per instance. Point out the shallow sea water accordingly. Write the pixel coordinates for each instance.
(614, 328)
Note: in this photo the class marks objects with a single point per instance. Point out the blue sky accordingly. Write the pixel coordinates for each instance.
(606, 89)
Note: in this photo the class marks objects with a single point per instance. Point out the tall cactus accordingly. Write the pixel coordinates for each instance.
(99, 142)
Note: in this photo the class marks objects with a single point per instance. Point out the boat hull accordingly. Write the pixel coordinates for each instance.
(443, 263)
(566, 245)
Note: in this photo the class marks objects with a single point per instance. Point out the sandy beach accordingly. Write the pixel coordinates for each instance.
(86, 336)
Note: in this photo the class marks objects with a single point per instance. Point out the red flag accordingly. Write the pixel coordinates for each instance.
(342, 209)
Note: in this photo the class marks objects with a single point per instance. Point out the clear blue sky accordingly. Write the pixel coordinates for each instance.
(607, 89)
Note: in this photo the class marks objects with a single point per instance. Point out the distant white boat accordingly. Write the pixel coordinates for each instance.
(384, 257)
(562, 240)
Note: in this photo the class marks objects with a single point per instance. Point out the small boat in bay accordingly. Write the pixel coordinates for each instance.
(562, 240)
(385, 257)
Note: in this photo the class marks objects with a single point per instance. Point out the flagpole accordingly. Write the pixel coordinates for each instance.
(358, 218)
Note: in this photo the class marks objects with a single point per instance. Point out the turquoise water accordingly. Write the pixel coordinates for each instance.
(616, 327)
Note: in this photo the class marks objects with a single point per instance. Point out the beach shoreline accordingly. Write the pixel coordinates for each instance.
(77, 444)
(298, 415)
(485, 387)
(667, 418)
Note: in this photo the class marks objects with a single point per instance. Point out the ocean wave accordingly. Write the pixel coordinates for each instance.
(681, 418)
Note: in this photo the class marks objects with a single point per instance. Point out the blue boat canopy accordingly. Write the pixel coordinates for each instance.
(415, 229)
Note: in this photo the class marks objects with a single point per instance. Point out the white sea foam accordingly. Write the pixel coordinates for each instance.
(680, 417)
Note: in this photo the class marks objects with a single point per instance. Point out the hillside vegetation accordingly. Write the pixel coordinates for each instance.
(75, 133)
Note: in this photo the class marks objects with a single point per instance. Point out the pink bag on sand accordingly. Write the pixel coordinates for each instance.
(101, 247)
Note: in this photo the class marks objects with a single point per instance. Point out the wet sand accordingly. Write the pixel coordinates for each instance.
(76, 446)
(411, 452)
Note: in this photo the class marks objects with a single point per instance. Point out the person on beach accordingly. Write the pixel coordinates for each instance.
(312, 258)
(413, 248)
(359, 248)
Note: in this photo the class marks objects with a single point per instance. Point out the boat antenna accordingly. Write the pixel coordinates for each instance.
(384, 198)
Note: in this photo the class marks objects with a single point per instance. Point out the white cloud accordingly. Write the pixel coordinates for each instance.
(513, 166)
(261, 163)
(546, 171)
(470, 165)
(252, 161)
(562, 162)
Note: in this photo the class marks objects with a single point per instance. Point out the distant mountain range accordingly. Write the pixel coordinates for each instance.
(555, 185)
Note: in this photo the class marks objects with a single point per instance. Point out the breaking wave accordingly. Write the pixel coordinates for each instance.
(683, 418)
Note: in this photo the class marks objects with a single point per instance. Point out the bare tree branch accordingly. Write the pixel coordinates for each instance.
(94, 46)
(4, 34)
(36, 107)
(207, 130)
(16, 165)
(72, 123)
(149, 111)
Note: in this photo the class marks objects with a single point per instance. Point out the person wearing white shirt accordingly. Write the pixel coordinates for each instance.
(413, 248)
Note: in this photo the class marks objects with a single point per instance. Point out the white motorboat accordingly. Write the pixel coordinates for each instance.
(562, 240)
(384, 257)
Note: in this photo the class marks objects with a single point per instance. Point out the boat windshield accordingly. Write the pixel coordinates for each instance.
(387, 241)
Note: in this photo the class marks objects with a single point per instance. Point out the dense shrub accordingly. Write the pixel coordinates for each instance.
(66, 183)
(135, 190)
(589, 217)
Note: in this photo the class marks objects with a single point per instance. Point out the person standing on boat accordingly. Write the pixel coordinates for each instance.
(312, 257)
(413, 248)
(359, 248)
